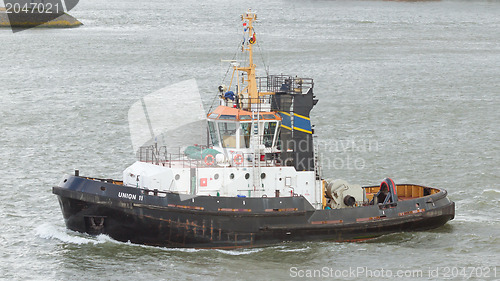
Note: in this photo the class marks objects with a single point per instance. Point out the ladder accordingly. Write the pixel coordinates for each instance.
(255, 141)
(317, 168)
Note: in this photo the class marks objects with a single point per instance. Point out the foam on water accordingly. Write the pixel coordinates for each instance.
(239, 252)
(51, 232)
(305, 249)
(491, 192)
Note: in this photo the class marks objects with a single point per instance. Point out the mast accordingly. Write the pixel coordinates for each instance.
(249, 39)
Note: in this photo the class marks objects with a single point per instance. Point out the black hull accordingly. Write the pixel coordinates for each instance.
(173, 220)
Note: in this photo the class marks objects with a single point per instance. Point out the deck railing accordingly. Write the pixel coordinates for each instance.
(270, 84)
(177, 158)
(284, 83)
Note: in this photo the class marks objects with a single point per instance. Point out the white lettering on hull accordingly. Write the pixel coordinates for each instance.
(127, 195)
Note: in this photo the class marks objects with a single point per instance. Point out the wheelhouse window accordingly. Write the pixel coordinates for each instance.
(278, 138)
(213, 133)
(227, 117)
(268, 134)
(269, 116)
(227, 131)
(245, 129)
(245, 117)
(213, 115)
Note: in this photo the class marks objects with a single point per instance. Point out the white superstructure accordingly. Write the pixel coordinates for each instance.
(260, 141)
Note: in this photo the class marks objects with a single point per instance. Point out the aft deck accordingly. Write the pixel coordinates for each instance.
(404, 191)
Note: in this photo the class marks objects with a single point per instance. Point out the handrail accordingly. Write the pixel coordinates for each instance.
(160, 156)
(284, 83)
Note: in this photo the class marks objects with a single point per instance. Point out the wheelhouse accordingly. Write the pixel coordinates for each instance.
(246, 131)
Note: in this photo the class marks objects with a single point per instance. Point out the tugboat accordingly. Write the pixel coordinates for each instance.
(257, 181)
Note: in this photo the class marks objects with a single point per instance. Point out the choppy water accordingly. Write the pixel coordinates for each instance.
(408, 90)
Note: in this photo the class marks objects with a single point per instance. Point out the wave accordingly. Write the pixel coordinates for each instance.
(305, 249)
(491, 192)
(50, 232)
(485, 218)
(239, 252)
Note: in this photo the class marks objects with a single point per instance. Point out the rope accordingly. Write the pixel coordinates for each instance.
(262, 57)
(246, 58)
(223, 79)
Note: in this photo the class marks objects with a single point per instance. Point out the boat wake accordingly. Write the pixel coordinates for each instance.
(51, 232)
(292, 249)
(239, 252)
(491, 193)
(477, 218)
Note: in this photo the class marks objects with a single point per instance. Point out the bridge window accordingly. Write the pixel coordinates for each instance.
(268, 136)
(227, 117)
(269, 116)
(245, 135)
(245, 117)
(227, 132)
(213, 133)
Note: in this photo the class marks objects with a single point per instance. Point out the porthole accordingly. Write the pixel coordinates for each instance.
(231, 176)
(263, 175)
(177, 177)
(247, 176)
(103, 188)
(216, 176)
